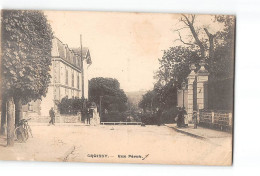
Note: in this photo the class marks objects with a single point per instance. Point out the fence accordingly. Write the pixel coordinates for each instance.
(121, 123)
(222, 120)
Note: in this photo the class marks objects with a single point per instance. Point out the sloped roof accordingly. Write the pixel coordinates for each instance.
(64, 52)
(85, 53)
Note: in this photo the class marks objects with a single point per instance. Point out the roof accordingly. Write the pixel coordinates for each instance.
(85, 53)
(72, 56)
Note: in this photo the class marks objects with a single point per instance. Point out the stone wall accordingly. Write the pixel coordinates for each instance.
(58, 119)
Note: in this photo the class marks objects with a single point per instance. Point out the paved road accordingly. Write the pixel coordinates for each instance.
(131, 144)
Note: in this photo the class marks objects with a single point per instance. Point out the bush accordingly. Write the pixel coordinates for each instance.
(167, 116)
(71, 106)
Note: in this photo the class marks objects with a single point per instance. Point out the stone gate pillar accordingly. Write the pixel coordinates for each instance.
(202, 77)
(191, 79)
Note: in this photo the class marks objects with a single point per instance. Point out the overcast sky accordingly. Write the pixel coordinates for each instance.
(125, 46)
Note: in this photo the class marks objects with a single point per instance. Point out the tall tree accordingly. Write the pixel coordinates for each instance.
(215, 48)
(26, 58)
(113, 98)
(211, 42)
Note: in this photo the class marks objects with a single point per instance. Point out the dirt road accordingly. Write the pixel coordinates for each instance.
(121, 143)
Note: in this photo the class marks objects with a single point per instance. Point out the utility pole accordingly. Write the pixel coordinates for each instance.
(82, 69)
(82, 81)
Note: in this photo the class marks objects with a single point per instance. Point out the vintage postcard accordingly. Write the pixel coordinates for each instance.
(152, 88)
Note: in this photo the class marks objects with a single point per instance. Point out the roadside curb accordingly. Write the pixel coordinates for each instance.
(187, 133)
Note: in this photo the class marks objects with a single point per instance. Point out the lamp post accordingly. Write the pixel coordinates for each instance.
(163, 83)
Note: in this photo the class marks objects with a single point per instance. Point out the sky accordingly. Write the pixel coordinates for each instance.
(125, 46)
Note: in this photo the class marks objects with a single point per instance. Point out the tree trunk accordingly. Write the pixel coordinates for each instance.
(18, 110)
(3, 118)
(211, 43)
(189, 23)
(10, 121)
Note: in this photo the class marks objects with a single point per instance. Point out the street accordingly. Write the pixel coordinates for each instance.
(115, 144)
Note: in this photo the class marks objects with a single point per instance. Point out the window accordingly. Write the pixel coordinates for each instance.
(78, 81)
(66, 92)
(30, 106)
(72, 79)
(67, 77)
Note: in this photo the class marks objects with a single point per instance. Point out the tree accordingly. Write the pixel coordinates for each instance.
(113, 98)
(175, 64)
(198, 44)
(214, 48)
(72, 105)
(149, 101)
(26, 58)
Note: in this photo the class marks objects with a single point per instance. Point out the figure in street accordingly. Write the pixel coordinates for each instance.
(179, 118)
(88, 116)
(184, 117)
(195, 119)
(52, 115)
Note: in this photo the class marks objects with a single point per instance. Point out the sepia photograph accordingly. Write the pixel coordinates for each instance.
(117, 87)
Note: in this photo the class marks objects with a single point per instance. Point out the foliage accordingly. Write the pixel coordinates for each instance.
(26, 54)
(147, 103)
(72, 105)
(161, 97)
(217, 50)
(221, 66)
(113, 98)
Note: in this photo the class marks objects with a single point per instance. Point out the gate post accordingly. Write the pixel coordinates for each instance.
(202, 77)
(191, 79)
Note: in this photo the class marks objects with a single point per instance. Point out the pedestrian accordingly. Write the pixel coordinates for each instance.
(52, 115)
(195, 119)
(179, 118)
(184, 117)
(88, 116)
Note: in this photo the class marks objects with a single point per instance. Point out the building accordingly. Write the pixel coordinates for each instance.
(68, 72)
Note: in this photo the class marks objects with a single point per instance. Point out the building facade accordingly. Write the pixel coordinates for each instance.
(66, 70)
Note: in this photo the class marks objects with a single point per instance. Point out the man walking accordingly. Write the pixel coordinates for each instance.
(52, 115)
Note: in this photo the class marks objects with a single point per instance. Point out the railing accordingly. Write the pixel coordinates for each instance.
(217, 119)
(120, 123)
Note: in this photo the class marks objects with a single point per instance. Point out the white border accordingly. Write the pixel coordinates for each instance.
(247, 94)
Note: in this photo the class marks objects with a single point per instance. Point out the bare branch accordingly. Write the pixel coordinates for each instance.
(192, 18)
(187, 21)
(181, 29)
(182, 20)
(180, 39)
(195, 35)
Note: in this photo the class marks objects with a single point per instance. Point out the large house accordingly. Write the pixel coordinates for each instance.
(68, 72)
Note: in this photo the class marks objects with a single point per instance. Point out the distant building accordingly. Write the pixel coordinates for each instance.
(66, 78)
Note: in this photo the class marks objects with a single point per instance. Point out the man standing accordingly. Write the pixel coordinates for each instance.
(184, 117)
(195, 119)
(88, 116)
(52, 115)
(179, 117)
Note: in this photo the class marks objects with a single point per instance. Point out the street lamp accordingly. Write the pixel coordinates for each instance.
(163, 83)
